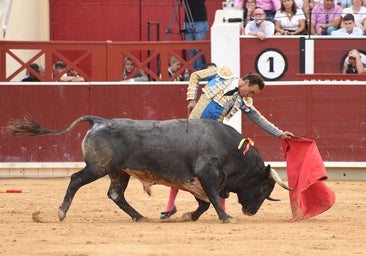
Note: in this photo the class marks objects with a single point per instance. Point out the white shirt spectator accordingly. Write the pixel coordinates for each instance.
(288, 24)
(343, 32)
(252, 27)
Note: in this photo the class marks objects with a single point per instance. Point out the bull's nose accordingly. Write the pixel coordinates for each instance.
(249, 213)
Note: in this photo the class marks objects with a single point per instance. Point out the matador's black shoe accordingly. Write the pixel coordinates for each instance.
(166, 215)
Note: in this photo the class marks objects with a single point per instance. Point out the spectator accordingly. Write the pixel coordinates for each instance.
(349, 28)
(304, 5)
(353, 64)
(344, 3)
(359, 13)
(270, 7)
(289, 20)
(248, 11)
(129, 68)
(31, 77)
(195, 27)
(174, 65)
(325, 18)
(238, 4)
(61, 75)
(260, 27)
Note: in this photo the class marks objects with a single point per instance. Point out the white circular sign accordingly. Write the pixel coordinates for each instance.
(271, 64)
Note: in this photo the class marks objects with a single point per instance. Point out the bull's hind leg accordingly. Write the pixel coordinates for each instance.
(78, 179)
(116, 192)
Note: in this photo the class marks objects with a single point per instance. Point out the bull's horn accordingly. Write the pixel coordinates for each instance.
(272, 199)
(278, 179)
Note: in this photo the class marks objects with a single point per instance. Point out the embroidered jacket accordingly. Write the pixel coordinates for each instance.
(223, 80)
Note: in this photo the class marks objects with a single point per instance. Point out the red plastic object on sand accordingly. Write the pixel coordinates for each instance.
(11, 191)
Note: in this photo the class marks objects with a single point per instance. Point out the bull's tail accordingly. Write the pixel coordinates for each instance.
(28, 126)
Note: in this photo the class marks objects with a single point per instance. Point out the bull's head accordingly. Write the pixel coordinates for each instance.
(257, 189)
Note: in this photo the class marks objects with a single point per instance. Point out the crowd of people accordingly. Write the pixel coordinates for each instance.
(261, 18)
(301, 17)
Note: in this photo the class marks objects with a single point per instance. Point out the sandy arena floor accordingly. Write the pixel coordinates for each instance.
(96, 226)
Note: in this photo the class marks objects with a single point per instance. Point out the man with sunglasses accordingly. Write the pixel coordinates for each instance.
(325, 18)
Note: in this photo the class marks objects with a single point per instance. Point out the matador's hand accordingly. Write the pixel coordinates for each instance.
(190, 106)
(286, 135)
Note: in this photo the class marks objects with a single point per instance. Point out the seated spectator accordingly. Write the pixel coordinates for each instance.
(349, 29)
(353, 64)
(174, 65)
(238, 4)
(270, 8)
(359, 13)
(305, 6)
(248, 11)
(31, 77)
(344, 3)
(260, 27)
(289, 20)
(325, 18)
(59, 71)
(128, 68)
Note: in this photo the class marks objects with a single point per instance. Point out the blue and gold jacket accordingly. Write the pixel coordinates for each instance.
(221, 80)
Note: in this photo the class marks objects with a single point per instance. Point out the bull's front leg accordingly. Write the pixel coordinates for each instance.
(202, 207)
(116, 192)
(209, 183)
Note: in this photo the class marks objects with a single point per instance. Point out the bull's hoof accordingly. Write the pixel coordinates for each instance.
(61, 215)
(229, 219)
(187, 216)
(138, 218)
(141, 220)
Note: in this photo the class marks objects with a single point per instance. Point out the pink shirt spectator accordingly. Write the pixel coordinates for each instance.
(269, 5)
(321, 17)
(238, 4)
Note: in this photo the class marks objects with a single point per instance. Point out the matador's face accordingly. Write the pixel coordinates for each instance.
(246, 89)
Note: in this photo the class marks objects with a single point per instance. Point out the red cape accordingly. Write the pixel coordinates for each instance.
(306, 172)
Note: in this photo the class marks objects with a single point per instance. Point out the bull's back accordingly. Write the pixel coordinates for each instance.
(157, 144)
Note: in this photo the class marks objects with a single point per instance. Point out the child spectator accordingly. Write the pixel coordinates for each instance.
(128, 68)
(349, 28)
(31, 77)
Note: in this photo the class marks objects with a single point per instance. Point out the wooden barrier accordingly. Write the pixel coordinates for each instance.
(331, 113)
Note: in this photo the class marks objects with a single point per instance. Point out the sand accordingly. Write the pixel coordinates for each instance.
(94, 225)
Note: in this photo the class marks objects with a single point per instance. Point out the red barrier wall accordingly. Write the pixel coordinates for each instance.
(279, 58)
(257, 56)
(329, 53)
(333, 115)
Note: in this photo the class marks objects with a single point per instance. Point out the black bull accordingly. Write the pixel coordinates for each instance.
(199, 156)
